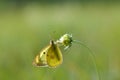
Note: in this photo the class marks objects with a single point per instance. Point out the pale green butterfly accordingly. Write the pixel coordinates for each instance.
(50, 56)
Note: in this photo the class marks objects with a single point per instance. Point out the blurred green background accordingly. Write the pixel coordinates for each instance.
(27, 27)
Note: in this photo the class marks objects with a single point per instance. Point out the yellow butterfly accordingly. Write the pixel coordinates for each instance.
(50, 56)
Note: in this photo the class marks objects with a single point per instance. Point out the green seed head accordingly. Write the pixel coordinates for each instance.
(65, 40)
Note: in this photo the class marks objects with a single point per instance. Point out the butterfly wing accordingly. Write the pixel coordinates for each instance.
(40, 59)
(54, 55)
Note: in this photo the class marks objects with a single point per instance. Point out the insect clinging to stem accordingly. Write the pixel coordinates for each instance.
(51, 56)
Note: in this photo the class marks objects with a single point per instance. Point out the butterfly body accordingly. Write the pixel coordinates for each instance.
(54, 55)
(50, 56)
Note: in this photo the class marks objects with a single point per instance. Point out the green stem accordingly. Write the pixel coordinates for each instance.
(93, 56)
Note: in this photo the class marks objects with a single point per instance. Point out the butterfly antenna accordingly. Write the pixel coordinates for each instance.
(92, 55)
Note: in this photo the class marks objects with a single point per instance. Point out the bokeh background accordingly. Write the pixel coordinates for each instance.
(27, 26)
